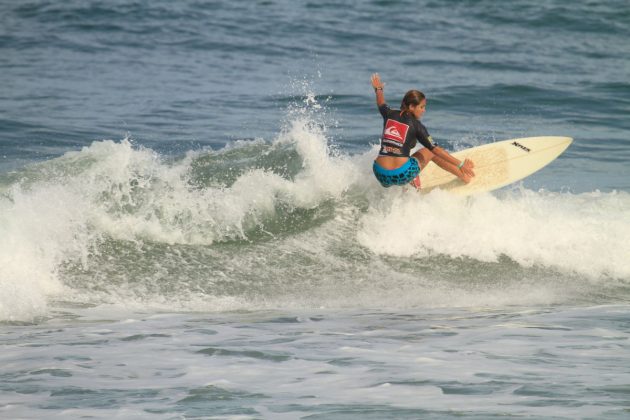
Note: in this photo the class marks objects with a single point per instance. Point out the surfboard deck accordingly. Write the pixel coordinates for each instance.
(497, 164)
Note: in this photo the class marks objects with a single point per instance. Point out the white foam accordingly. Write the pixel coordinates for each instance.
(584, 233)
(40, 228)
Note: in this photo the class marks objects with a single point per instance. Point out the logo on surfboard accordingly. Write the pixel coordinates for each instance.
(395, 131)
(520, 146)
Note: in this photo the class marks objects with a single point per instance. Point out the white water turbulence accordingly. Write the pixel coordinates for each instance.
(584, 235)
(61, 217)
(290, 223)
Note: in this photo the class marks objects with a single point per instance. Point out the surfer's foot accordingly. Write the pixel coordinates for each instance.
(416, 183)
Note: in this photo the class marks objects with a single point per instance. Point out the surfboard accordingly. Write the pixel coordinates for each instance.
(496, 164)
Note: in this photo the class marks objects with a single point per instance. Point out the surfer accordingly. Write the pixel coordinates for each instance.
(395, 165)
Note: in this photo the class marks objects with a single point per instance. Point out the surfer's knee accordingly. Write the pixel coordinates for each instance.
(424, 156)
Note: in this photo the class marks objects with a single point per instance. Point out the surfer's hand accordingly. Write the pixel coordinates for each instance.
(467, 168)
(376, 81)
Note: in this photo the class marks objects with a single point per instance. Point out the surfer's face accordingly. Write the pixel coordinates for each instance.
(418, 110)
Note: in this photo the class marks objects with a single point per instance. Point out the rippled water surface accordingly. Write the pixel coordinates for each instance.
(189, 227)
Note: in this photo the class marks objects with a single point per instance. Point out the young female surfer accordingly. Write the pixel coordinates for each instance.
(401, 132)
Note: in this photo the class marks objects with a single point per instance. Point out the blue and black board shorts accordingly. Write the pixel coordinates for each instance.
(399, 176)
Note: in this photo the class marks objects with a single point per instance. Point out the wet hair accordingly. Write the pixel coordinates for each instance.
(412, 97)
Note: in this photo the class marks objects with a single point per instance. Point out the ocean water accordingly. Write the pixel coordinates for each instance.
(189, 227)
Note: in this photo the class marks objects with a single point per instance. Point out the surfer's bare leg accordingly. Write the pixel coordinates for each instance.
(424, 156)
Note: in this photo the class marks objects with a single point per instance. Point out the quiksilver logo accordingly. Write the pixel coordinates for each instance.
(395, 131)
(520, 146)
(391, 131)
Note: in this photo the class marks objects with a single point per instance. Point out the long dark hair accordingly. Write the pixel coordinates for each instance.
(412, 97)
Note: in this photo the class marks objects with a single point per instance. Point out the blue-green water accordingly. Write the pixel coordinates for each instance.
(189, 227)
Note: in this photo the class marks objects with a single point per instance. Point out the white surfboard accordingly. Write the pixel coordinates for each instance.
(496, 164)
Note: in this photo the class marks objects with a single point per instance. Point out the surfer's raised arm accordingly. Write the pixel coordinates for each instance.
(402, 130)
(378, 89)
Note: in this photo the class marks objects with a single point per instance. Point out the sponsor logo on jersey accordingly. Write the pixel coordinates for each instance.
(391, 150)
(395, 131)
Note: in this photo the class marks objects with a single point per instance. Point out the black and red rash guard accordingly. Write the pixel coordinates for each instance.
(401, 133)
